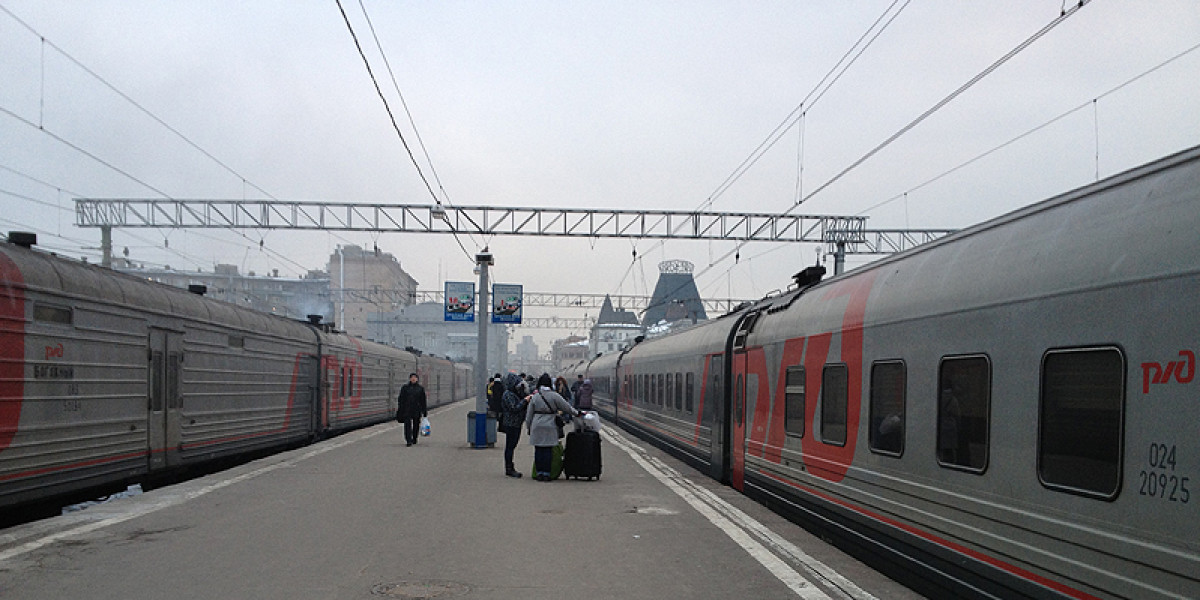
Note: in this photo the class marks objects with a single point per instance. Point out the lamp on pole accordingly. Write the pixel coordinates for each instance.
(483, 260)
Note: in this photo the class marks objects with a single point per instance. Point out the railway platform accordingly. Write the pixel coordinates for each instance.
(362, 516)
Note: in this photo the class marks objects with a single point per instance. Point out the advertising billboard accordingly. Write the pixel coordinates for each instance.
(460, 301)
(506, 303)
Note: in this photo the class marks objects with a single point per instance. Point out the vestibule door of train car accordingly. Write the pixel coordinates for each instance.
(165, 399)
(714, 396)
(737, 428)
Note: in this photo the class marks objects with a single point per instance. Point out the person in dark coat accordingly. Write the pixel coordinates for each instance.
(512, 404)
(411, 408)
(495, 390)
(575, 390)
(583, 398)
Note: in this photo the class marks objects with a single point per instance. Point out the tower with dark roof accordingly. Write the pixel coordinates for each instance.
(675, 295)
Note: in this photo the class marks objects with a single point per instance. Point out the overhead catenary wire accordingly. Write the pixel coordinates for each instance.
(392, 118)
(130, 100)
(41, 127)
(1029, 132)
(798, 113)
(814, 95)
(944, 101)
(940, 104)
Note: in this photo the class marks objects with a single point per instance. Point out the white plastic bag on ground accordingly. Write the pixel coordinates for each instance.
(425, 428)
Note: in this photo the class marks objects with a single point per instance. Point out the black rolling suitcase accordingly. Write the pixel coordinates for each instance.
(581, 458)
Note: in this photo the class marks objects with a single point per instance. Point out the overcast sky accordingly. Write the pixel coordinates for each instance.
(575, 104)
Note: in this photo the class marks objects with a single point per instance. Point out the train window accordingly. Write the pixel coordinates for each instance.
(886, 434)
(691, 390)
(1080, 421)
(964, 401)
(173, 398)
(835, 388)
(662, 386)
(51, 314)
(793, 401)
(156, 381)
(670, 390)
(679, 391)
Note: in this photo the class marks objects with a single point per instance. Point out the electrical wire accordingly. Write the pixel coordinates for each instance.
(839, 68)
(944, 101)
(392, 118)
(1036, 129)
(148, 113)
(818, 91)
(995, 65)
(135, 103)
(412, 122)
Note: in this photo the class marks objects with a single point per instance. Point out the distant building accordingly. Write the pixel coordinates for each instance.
(363, 282)
(283, 296)
(526, 359)
(614, 329)
(675, 295)
(527, 349)
(423, 326)
(569, 351)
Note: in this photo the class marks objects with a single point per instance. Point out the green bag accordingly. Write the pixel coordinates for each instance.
(555, 463)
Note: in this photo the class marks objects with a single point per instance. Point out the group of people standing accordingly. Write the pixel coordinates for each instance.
(519, 401)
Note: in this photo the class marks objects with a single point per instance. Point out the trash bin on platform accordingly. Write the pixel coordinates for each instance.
(481, 425)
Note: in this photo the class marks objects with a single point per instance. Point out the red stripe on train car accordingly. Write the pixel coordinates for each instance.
(12, 349)
(945, 543)
(78, 465)
(793, 352)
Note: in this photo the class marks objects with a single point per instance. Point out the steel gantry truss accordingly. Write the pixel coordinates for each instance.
(572, 323)
(713, 306)
(850, 232)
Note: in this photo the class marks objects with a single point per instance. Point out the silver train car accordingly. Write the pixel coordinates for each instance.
(107, 379)
(1008, 412)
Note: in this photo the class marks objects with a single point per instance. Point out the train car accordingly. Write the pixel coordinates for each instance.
(361, 381)
(1007, 412)
(107, 378)
(667, 392)
(437, 377)
(463, 381)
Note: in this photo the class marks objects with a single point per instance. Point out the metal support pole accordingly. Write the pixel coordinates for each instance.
(341, 287)
(106, 246)
(483, 314)
(839, 259)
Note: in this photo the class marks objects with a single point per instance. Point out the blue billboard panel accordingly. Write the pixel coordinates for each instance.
(506, 303)
(460, 301)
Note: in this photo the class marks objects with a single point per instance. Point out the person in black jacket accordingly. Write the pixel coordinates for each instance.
(512, 415)
(411, 409)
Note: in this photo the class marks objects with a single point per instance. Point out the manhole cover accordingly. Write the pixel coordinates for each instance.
(420, 589)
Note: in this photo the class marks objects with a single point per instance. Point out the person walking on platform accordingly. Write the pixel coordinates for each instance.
(560, 386)
(512, 403)
(495, 390)
(583, 398)
(575, 390)
(411, 408)
(544, 406)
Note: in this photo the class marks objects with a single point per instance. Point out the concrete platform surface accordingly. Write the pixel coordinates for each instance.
(362, 516)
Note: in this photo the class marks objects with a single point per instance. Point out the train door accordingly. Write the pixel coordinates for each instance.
(165, 399)
(308, 390)
(714, 396)
(738, 426)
